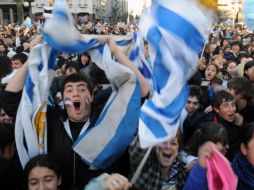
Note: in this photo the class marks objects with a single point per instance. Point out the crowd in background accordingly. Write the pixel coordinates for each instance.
(220, 111)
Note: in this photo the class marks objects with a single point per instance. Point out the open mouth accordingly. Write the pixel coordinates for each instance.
(231, 116)
(76, 105)
(166, 155)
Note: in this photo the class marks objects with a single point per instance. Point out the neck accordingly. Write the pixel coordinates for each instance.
(165, 172)
(78, 121)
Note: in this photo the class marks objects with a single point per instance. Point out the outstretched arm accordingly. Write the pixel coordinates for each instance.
(16, 84)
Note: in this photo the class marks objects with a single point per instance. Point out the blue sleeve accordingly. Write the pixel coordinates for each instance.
(196, 179)
(96, 183)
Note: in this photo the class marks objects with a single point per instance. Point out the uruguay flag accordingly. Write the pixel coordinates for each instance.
(101, 144)
(175, 33)
(30, 126)
(138, 58)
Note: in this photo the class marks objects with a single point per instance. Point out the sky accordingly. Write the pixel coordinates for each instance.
(137, 6)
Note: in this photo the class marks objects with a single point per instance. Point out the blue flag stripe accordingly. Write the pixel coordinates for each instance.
(175, 107)
(125, 129)
(194, 41)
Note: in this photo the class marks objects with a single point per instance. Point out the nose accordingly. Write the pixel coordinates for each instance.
(76, 92)
(42, 186)
(191, 105)
(232, 109)
(167, 145)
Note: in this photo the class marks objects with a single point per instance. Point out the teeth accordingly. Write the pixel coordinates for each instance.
(167, 155)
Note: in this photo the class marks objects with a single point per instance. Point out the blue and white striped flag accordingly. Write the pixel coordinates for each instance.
(101, 144)
(30, 126)
(138, 58)
(117, 124)
(174, 31)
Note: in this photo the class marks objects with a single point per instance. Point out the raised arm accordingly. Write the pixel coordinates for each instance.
(123, 59)
(16, 84)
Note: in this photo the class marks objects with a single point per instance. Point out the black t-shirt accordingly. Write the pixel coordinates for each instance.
(76, 128)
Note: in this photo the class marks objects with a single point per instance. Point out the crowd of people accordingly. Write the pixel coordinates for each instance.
(219, 116)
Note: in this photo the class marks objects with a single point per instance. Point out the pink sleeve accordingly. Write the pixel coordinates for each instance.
(219, 173)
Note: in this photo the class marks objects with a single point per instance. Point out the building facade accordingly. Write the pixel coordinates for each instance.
(9, 10)
(94, 9)
(12, 11)
(230, 9)
(116, 10)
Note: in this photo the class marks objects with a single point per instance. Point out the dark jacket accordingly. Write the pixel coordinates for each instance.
(75, 172)
(232, 131)
(10, 174)
(190, 124)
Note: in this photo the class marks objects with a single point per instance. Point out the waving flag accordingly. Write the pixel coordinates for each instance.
(117, 124)
(138, 58)
(249, 13)
(174, 31)
(30, 126)
(101, 144)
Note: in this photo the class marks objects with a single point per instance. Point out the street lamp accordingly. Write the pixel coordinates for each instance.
(27, 4)
(20, 9)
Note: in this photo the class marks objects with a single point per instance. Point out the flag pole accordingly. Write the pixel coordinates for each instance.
(203, 50)
(141, 165)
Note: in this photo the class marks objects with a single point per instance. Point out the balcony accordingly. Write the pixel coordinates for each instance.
(8, 2)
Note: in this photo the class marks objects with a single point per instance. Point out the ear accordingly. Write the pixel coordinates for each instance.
(59, 181)
(216, 109)
(243, 149)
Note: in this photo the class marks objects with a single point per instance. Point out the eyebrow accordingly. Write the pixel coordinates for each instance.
(32, 179)
(71, 85)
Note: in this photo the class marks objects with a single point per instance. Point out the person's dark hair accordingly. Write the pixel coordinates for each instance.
(145, 42)
(5, 49)
(209, 131)
(61, 62)
(83, 54)
(225, 65)
(78, 77)
(44, 160)
(72, 65)
(237, 43)
(241, 86)
(221, 97)
(19, 49)
(20, 56)
(247, 65)
(196, 91)
(5, 66)
(229, 56)
(242, 54)
(216, 80)
(1, 40)
(179, 137)
(247, 133)
(6, 135)
(227, 46)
